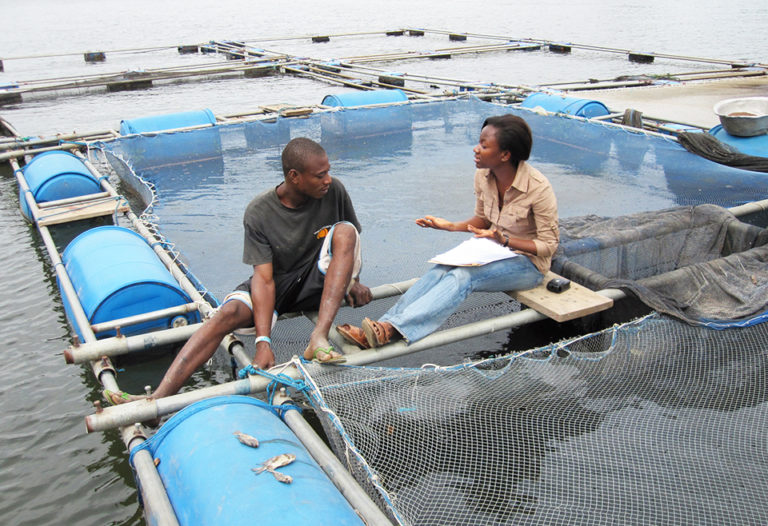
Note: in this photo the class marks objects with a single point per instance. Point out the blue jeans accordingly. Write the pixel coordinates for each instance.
(438, 293)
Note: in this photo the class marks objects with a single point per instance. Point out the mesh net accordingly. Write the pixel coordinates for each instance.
(650, 422)
(699, 264)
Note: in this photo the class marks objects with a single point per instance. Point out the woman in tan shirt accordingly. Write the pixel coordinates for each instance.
(515, 207)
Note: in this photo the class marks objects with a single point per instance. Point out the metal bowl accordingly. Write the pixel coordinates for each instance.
(745, 117)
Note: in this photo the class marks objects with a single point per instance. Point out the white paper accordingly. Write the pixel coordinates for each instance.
(472, 252)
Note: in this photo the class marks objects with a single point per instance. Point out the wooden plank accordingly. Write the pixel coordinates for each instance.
(286, 110)
(573, 303)
(77, 211)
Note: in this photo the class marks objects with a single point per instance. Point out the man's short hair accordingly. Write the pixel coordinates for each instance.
(296, 153)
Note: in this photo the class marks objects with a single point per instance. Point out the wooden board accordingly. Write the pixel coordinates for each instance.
(573, 303)
(286, 110)
(57, 215)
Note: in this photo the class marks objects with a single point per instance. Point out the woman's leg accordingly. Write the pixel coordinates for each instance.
(426, 305)
(437, 295)
(516, 273)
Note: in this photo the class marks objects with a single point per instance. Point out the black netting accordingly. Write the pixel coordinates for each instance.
(699, 264)
(711, 148)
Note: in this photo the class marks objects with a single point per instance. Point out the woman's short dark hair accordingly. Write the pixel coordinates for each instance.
(513, 135)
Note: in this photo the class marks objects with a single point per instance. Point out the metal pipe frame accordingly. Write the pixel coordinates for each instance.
(755, 207)
(72, 200)
(147, 316)
(154, 494)
(117, 346)
(330, 464)
(157, 505)
(144, 410)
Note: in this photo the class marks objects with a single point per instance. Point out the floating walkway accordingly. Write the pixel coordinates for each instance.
(244, 58)
(125, 290)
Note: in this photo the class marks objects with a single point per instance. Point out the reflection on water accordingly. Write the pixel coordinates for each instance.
(401, 163)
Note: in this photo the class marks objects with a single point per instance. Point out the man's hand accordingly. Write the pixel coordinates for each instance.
(358, 295)
(264, 357)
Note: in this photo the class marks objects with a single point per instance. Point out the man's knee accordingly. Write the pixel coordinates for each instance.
(230, 316)
(344, 235)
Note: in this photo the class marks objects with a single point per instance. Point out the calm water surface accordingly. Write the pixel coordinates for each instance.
(52, 472)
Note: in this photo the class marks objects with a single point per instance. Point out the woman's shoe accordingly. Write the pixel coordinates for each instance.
(379, 333)
(354, 335)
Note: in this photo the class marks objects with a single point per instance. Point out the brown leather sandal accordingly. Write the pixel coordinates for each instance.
(378, 333)
(354, 335)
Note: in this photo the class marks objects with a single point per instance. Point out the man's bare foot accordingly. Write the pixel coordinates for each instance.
(119, 397)
(320, 350)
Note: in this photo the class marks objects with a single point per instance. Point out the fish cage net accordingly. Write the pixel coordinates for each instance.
(699, 264)
(650, 422)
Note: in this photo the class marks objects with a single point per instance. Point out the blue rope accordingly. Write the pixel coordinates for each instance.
(278, 380)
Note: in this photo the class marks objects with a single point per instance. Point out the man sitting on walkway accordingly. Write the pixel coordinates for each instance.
(302, 239)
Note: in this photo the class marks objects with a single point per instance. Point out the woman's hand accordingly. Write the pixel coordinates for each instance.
(434, 222)
(488, 233)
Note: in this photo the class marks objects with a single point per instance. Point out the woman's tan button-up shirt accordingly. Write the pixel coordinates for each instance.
(529, 210)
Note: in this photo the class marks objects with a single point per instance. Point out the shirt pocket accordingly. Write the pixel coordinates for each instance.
(490, 211)
(515, 219)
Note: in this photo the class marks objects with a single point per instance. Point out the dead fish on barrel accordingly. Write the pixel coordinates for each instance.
(248, 440)
(273, 463)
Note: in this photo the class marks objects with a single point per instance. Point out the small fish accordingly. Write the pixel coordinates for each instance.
(248, 440)
(281, 477)
(275, 462)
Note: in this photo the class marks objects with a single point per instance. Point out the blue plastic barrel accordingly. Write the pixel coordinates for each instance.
(56, 175)
(554, 103)
(168, 121)
(354, 122)
(208, 475)
(116, 274)
(170, 149)
(265, 134)
(757, 145)
(365, 98)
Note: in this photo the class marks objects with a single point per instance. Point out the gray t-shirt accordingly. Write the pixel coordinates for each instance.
(290, 238)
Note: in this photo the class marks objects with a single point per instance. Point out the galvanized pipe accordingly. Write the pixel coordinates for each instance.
(339, 475)
(103, 371)
(147, 316)
(7, 156)
(67, 288)
(117, 346)
(157, 506)
(144, 410)
(18, 142)
(130, 344)
(73, 200)
(754, 207)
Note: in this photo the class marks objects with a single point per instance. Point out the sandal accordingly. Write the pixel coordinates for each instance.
(378, 333)
(354, 335)
(326, 351)
(119, 397)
